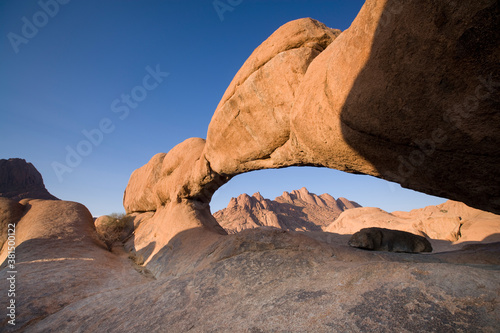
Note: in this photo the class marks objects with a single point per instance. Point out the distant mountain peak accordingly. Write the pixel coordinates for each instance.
(295, 210)
(258, 196)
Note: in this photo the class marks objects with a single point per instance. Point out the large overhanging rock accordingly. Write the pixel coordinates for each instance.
(253, 118)
(251, 121)
(408, 93)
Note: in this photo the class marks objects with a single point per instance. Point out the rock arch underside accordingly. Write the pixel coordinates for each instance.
(408, 93)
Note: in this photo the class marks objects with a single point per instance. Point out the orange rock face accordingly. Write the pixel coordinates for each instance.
(58, 259)
(451, 221)
(252, 119)
(407, 93)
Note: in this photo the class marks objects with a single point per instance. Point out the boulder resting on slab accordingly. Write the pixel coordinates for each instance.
(382, 239)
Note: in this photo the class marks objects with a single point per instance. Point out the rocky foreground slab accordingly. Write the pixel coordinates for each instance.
(259, 280)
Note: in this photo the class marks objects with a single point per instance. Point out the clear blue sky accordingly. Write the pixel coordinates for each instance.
(64, 70)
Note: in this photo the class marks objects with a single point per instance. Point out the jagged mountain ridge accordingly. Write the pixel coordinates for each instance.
(295, 210)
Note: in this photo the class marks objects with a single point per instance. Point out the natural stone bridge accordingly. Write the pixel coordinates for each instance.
(395, 96)
(408, 93)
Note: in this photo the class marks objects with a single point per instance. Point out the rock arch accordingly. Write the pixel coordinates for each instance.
(399, 89)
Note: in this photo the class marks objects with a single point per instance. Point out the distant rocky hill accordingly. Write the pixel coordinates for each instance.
(20, 179)
(297, 210)
(451, 221)
(300, 210)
